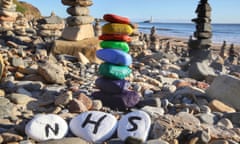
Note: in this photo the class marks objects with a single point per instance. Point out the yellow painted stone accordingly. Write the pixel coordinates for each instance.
(117, 28)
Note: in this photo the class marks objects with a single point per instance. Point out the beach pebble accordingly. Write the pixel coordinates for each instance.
(94, 126)
(136, 124)
(225, 123)
(67, 140)
(45, 127)
(154, 112)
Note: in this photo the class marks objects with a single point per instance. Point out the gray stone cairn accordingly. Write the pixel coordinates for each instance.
(201, 44)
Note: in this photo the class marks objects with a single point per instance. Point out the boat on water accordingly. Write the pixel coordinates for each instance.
(148, 21)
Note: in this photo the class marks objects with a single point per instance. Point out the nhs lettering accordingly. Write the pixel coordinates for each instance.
(93, 126)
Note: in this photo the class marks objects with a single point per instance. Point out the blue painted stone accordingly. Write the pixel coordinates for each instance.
(121, 101)
(114, 56)
(112, 85)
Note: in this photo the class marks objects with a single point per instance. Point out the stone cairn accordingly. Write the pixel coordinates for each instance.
(114, 88)
(154, 41)
(200, 47)
(223, 49)
(200, 53)
(8, 15)
(97, 28)
(137, 43)
(50, 28)
(79, 24)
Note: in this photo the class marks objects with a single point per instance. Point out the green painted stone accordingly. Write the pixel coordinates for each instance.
(114, 71)
(115, 45)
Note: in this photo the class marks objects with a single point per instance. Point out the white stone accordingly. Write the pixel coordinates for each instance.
(46, 126)
(94, 126)
(136, 124)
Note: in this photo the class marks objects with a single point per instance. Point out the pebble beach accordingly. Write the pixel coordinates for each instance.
(69, 89)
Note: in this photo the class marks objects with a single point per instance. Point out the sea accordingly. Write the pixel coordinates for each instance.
(228, 32)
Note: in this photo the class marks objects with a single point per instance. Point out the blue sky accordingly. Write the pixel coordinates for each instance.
(223, 11)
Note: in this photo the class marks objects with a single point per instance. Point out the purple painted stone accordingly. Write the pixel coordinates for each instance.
(112, 85)
(121, 101)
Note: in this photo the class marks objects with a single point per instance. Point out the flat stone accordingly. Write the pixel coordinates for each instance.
(18, 98)
(219, 106)
(94, 126)
(200, 70)
(136, 124)
(225, 123)
(77, 33)
(79, 20)
(154, 112)
(84, 3)
(48, 33)
(78, 11)
(6, 107)
(10, 137)
(46, 127)
(88, 47)
(208, 118)
(85, 100)
(67, 140)
(51, 26)
(52, 73)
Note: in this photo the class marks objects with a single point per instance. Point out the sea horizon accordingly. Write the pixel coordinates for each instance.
(229, 32)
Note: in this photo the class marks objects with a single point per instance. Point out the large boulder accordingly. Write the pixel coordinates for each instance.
(226, 88)
(87, 47)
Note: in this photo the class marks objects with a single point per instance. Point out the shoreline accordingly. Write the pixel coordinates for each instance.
(215, 46)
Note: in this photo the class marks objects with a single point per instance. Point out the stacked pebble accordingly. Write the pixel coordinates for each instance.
(8, 14)
(114, 89)
(79, 24)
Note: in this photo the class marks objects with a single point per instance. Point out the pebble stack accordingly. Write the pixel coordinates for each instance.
(8, 14)
(50, 27)
(79, 24)
(21, 25)
(114, 89)
(201, 45)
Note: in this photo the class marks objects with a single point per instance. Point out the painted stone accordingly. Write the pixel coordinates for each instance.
(111, 85)
(113, 18)
(117, 28)
(94, 126)
(114, 56)
(135, 124)
(114, 71)
(115, 45)
(120, 101)
(115, 37)
(45, 127)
